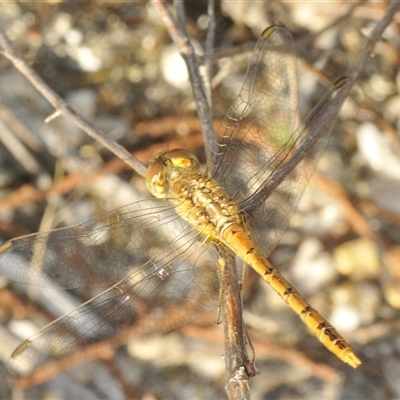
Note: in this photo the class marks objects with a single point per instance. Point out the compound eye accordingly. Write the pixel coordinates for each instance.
(166, 164)
(182, 158)
(155, 176)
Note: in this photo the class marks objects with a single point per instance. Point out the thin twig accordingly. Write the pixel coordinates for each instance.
(208, 61)
(104, 349)
(339, 20)
(181, 17)
(186, 50)
(62, 107)
(239, 368)
(367, 51)
(324, 114)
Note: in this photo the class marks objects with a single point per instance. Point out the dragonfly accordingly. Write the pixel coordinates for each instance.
(153, 262)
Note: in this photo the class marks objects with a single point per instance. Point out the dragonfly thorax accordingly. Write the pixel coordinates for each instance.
(200, 200)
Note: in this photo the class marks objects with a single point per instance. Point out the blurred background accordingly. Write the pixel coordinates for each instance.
(115, 63)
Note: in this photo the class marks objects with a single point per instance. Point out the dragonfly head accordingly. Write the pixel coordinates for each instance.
(165, 164)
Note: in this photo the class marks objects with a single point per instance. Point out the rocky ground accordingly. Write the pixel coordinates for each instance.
(115, 63)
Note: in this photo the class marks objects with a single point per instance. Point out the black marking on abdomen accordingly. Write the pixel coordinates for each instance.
(268, 271)
(322, 325)
(288, 291)
(331, 335)
(305, 310)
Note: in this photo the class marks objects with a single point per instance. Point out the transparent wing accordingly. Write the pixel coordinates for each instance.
(261, 146)
(261, 121)
(168, 277)
(95, 253)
